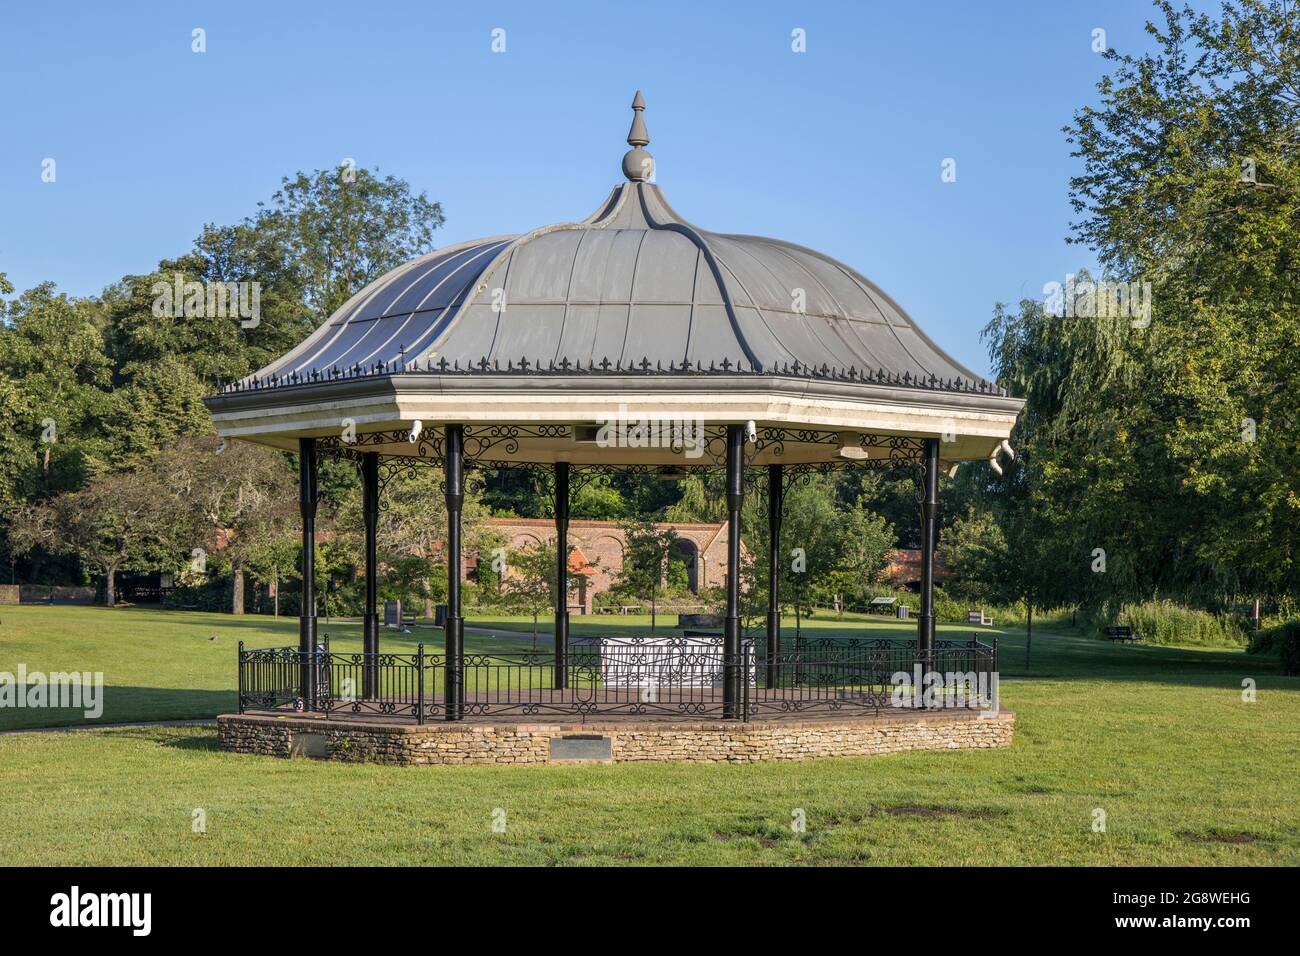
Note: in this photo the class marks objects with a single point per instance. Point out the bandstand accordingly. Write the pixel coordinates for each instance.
(629, 340)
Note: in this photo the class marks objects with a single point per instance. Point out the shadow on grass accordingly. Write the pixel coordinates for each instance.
(127, 704)
(198, 738)
(206, 742)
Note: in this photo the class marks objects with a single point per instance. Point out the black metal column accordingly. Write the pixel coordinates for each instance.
(561, 574)
(307, 613)
(370, 619)
(731, 666)
(454, 630)
(773, 571)
(929, 535)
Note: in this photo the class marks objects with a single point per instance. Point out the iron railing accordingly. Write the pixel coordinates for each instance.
(627, 677)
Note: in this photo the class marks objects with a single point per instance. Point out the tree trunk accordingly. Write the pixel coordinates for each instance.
(428, 601)
(237, 591)
(110, 587)
(276, 585)
(1029, 632)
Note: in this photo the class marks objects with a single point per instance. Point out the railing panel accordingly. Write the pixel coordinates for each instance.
(629, 677)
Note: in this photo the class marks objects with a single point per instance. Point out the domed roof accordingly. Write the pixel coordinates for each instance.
(633, 286)
(531, 343)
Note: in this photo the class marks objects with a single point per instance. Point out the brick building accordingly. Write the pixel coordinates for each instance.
(903, 569)
(598, 548)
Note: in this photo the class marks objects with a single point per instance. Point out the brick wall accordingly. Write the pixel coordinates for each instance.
(43, 593)
(602, 543)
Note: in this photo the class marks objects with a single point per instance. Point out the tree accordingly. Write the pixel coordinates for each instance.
(1191, 182)
(645, 561)
(1086, 473)
(865, 539)
(530, 582)
(33, 529)
(827, 550)
(162, 402)
(271, 554)
(322, 238)
(240, 497)
(54, 376)
(341, 229)
(117, 521)
(412, 528)
(147, 325)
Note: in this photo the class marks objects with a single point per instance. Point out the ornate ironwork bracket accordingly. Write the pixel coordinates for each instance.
(427, 449)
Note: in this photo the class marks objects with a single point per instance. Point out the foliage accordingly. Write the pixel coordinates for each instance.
(645, 561)
(1281, 640)
(1164, 622)
(411, 532)
(338, 230)
(829, 550)
(211, 596)
(1191, 181)
(531, 581)
(240, 499)
(53, 400)
(116, 522)
(96, 386)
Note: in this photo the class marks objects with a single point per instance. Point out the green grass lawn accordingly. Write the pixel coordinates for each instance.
(1158, 738)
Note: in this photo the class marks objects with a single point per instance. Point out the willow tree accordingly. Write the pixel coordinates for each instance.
(1191, 182)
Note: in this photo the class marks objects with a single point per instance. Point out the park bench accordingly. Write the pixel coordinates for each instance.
(977, 616)
(1120, 632)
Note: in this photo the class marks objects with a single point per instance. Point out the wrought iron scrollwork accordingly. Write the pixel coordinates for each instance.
(480, 439)
(426, 449)
(425, 446)
(903, 451)
(641, 676)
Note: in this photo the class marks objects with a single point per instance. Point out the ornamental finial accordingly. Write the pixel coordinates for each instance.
(638, 165)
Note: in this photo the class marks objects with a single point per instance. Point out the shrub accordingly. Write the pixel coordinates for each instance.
(953, 610)
(1284, 641)
(613, 598)
(1164, 622)
(211, 596)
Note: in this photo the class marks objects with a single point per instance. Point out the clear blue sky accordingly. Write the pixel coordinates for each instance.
(838, 148)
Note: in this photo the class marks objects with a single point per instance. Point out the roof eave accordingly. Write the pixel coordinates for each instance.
(607, 384)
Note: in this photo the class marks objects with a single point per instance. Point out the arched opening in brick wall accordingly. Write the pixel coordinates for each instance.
(687, 551)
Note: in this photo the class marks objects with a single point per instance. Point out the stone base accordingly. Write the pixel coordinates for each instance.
(371, 741)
